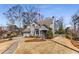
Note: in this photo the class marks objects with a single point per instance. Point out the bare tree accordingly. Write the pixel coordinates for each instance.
(60, 25)
(14, 16)
(75, 22)
(0, 31)
(9, 16)
(30, 15)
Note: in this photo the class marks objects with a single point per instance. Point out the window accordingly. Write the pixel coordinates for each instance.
(37, 31)
(33, 25)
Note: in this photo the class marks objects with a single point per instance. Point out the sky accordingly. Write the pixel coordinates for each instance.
(47, 10)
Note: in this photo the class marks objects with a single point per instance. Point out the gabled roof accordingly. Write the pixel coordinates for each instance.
(26, 30)
(43, 28)
(40, 27)
(46, 22)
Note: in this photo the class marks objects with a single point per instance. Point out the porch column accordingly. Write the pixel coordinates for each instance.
(39, 32)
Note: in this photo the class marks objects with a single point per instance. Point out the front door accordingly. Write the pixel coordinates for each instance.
(37, 32)
(43, 33)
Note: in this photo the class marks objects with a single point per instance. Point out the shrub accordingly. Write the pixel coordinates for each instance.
(34, 36)
(68, 36)
(10, 38)
(12, 34)
(75, 37)
(49, 34)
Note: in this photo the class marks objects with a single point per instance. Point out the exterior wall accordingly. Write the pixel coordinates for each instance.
(26, 34)
(32, 28)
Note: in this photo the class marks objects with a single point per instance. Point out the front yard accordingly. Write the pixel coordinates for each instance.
(33, 46)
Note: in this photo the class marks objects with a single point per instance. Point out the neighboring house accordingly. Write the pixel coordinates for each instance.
(12, 28)
(37, 29)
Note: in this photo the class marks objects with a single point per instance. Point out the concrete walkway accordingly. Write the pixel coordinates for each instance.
(13, 47)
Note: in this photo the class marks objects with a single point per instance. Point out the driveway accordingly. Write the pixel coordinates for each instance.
(13, 47)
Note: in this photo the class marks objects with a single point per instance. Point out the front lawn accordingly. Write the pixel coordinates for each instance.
(34, 46)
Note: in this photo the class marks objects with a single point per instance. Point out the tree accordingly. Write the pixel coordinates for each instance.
(49, 34)
(60, 26)
(1, 32)
(67, 30)
(31, 15)
(9, 16)
(75, 22)
(14, 16)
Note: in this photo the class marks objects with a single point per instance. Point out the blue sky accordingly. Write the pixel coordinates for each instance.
(48, 10)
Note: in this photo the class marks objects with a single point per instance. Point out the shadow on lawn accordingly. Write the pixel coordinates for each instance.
(35, 40)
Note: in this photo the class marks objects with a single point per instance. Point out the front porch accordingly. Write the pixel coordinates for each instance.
(40, 32)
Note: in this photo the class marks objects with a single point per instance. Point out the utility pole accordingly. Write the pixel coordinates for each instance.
(53, 26)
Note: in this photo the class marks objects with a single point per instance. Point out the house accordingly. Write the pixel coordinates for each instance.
(36, 29)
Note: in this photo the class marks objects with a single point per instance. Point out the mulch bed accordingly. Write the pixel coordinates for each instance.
(34, 40)
(75, 43)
